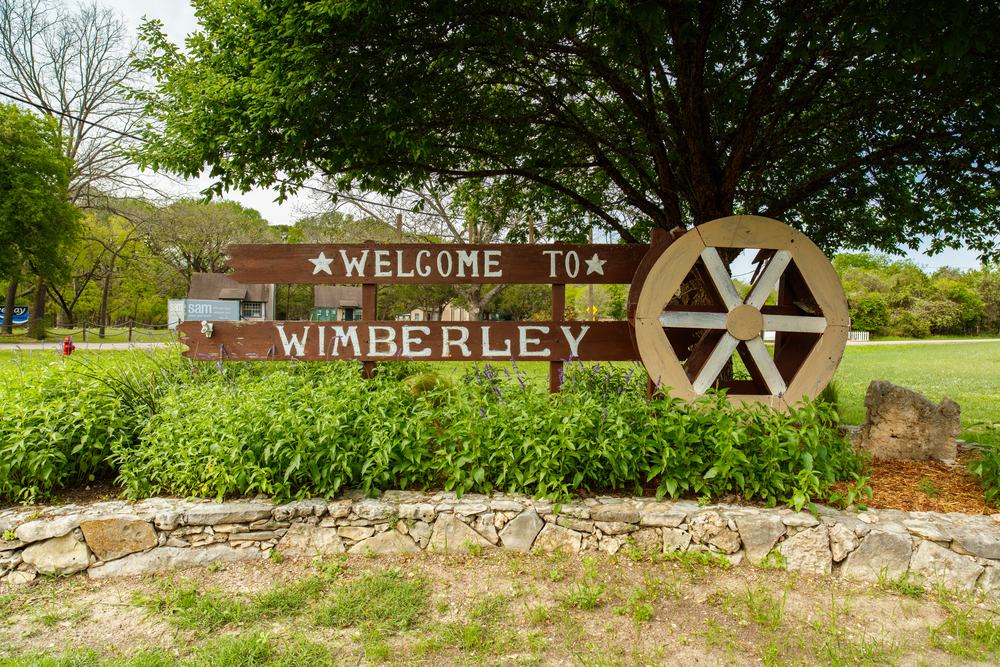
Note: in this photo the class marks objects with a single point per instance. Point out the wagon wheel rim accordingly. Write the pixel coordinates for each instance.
(740, 323)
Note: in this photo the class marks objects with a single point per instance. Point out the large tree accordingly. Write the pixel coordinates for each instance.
(74, 64)
(36, 222)
(862, 122)
(190, 236)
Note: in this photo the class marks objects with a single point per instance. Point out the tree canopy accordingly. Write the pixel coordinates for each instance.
(36, 221)
(865, 123)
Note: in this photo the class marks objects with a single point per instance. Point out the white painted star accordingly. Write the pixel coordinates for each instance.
(322, 264)
(595, 265)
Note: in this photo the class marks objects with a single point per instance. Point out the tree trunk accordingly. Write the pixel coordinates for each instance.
(476, 300)
(8, 308)
(38, 314)
(102, 318)
(104, 295)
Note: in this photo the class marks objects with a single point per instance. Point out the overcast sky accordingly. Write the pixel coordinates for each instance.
(179, 20)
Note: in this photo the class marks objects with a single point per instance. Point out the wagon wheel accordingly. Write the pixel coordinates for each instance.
(685, 348)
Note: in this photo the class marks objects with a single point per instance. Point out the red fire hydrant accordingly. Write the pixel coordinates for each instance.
(68, 346)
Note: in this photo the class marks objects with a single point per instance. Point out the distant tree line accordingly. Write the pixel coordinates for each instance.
(896, 297)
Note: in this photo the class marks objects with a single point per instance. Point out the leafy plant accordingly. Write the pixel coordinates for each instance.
(928, 487)
(986, 465)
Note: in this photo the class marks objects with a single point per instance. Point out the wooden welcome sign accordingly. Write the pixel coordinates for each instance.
(684, 348)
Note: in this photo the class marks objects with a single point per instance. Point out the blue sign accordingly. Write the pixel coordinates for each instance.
(215, 311)
(20, 314)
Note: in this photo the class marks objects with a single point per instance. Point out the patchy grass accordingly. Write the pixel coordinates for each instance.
(498, 609)
(384, 599)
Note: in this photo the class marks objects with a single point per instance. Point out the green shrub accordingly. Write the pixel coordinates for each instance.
(292, 433)
(869, 312)
(905, 323)
(986, 465)
(57, 428)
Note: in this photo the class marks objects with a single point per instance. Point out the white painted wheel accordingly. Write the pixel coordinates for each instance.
(810, 319)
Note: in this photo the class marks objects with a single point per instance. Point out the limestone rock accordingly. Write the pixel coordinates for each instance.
(374, 510)
(165, 559)
(469, 509)
(977, 543)
(305, 541)
(937, 565)
(421, 533)
(579, 525)
(389, 543)
(808, 552)
(10, 545)
(356, 533)
(904, 425)
(990, 581)
(800, 520)
(928, 530)
(675, 539)
(44, 529)
(647, 539)
(711, 528)
(502, 505)
(615, 527)
(575, 511)
(842, 541)
(880, 552)
(58, 555)
(20, 578)
(167, 519)
(419, 511)
(285, 512)
(452, 536)
(759, 533)
(556, 538)
(520, 532)
(706, 525)
(338, 509)
(116, 537)
(485, 525)
(611, 545)
(209, 514)
(661, 514)
(611, 513)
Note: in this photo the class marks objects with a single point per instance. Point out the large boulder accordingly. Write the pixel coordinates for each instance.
(904, 425)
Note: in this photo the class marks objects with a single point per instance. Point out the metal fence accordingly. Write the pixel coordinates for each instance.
(89, 332)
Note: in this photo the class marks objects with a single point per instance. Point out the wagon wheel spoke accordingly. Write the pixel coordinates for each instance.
(722, 353)
(721, 278)
(794, 323)
(693, 320)
(769, 279)
(765, 364)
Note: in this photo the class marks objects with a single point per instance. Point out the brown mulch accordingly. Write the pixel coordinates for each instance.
(926, 486)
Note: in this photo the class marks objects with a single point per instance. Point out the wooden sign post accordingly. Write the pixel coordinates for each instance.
(372, 264)
(684, 348)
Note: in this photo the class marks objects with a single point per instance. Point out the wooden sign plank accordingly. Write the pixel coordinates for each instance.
(425, 341)
(405, 263)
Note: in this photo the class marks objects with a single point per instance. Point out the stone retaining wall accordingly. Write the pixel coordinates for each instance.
(117, 538)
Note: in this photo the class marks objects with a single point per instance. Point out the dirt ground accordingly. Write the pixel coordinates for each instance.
(499, 609)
